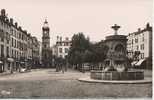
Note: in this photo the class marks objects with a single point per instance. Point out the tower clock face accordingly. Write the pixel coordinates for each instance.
(45, 32)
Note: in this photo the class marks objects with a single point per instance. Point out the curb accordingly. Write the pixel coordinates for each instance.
(88, 80)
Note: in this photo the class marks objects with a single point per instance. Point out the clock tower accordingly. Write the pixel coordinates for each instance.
(46, 51)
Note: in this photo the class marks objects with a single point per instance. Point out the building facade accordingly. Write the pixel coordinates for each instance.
(40, 52)
(46, 50)
(141, 42)
(61, 48)
(35, 52)
(15, 45)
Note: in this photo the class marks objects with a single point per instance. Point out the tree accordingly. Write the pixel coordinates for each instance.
(83, 51)
(99, 51)
(78, 47)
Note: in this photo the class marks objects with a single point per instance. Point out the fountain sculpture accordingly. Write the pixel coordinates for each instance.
(116, 63)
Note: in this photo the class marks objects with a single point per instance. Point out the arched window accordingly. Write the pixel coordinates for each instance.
(119, 48)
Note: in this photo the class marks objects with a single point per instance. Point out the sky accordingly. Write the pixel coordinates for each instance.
(92, 17)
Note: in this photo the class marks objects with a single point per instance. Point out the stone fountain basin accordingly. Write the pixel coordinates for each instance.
(114, 75)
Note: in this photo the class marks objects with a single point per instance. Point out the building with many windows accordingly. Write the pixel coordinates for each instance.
(140, 43)
(36, 52)
(61, 48)
(16, 45)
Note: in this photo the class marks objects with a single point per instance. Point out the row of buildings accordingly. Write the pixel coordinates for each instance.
(139, 47)
(18, 48)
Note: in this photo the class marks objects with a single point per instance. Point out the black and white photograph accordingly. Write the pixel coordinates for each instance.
(76, 49)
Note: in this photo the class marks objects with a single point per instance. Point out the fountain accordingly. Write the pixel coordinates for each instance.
(116, 64)
(117, 67)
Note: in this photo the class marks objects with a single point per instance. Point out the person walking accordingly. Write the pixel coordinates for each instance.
(63, 69)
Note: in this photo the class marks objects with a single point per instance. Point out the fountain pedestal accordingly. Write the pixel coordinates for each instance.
(115, 75)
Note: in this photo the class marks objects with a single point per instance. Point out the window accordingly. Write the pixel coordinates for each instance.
(143, 39)
(15, 43)
(65, 56)
(2, 37)
(66, 50)
(2, 50)
(12, 53)
(7, 51)
(12, 42)
(7, 41)
(15, 54)
(137, 47)
(143, 55)
(136, 40)
(45, 46)
(66, 43)
(61, 56)
(60, 50)
(142, 46)
(60, 43)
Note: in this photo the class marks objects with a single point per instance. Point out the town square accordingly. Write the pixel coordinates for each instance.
(70, 54)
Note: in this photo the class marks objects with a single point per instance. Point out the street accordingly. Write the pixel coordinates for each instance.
(46, 83)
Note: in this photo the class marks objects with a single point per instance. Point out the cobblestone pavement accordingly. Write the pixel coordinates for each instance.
(46, 83)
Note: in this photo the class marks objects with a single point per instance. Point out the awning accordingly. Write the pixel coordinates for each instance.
(1, 62)
(10, 59)
(140, 62)
(134, 62)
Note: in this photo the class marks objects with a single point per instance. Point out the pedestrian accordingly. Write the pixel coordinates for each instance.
(56, 67)
(63, 69)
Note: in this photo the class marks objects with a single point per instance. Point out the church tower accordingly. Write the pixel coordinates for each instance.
(46, 51)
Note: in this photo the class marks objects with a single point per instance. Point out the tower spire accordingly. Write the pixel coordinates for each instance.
(45, 25)
(45, 21)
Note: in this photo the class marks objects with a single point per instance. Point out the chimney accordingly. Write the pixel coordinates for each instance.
(139, 29)
(11, 21)
(20, 28)
(3, 12)
(148, 25)
(16, 24)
